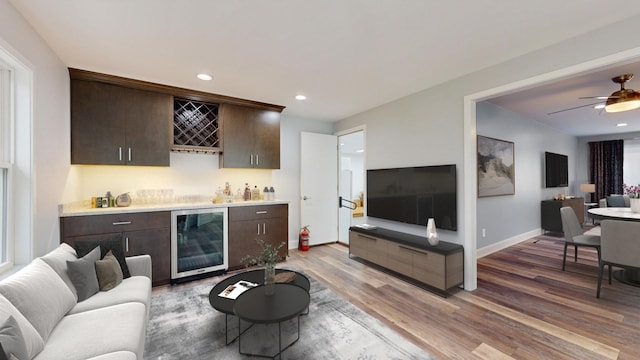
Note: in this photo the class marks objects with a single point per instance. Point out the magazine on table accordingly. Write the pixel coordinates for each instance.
(234, 290)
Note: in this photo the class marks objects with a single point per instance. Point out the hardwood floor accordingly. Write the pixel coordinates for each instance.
(525, 306)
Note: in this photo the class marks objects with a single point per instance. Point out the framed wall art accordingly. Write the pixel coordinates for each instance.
(496, 167)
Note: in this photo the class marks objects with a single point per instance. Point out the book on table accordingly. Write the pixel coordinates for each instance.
(234, 290)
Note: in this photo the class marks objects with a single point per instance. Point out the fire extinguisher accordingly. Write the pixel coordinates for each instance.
(303, 242)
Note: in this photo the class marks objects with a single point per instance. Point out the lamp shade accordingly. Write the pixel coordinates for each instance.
(588, 188)
(623, 100)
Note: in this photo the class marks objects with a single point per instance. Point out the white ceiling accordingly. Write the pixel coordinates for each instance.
(347, 56)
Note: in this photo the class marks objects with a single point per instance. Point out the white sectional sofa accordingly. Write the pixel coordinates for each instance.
(108, 325)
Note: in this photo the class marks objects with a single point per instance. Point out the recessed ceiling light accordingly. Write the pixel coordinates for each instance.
(301, 97)
(621, 124)
(599, 106)
(205, 77)
(360, 150)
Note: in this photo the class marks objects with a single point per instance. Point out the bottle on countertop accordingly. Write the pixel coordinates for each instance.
(247, 192)
(255, 193)
(238, 195)
(272, 193)
(266, 194)
(108, 200)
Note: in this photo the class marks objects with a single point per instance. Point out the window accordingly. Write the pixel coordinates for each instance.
(631, 172)
(6, 96)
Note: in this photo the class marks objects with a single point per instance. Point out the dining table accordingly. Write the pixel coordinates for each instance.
(629, 277)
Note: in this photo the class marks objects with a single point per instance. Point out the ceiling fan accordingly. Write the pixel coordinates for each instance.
(618, 101)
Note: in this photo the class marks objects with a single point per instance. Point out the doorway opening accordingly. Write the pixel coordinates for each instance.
(351, 182)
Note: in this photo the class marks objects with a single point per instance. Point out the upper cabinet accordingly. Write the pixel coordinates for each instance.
(251, 137)
(115, 125)
(120, 121)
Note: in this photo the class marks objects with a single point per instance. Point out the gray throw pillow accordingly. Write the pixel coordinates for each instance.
(11, 340)
(108, 272)
(615, 201)
(82, 273)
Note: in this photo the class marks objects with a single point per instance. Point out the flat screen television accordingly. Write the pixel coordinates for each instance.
(412, 195)
(556, 170)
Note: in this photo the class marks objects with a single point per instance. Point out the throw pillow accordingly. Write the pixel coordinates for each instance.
(108, 272)
(615, 201)
(114, 244)
(11, 341)
(57, 259)
(40, 296)
(82, 273)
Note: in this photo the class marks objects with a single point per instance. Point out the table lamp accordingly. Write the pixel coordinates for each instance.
(588, 189)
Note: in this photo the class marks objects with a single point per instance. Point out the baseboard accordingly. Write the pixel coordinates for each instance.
(495, 247)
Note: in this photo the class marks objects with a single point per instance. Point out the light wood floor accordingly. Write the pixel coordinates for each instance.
(525, 306)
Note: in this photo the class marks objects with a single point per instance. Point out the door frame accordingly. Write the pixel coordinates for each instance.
(352, 130)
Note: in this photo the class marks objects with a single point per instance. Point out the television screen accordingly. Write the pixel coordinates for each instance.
(413, 195)
(556, 170)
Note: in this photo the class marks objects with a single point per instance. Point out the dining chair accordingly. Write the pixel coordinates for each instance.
(574, 235)
(620, 247)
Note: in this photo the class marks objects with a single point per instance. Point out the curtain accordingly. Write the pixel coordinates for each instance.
(605, 163)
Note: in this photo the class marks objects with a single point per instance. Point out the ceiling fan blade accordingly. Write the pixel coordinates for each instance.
(598, 97)
(573, 108)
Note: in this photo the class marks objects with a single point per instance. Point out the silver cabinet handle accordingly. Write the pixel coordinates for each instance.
(257, 159)
(126, 244)
(119, 153)
(121, 223)
(264, 228)
(258, 229)
(261, 212)
(129, 154)
(251, 159)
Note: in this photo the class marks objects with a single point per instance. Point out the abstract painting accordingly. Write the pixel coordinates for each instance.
(496, 167)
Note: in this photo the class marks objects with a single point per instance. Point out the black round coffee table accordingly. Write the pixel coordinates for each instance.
(225, 305)
(256, 307)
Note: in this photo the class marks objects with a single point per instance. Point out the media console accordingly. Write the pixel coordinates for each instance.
(440, 267)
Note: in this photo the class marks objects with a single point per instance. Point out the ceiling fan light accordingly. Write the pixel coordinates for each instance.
(623, 100)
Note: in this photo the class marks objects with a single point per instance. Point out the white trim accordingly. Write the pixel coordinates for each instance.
(469, 120)
(495, 247)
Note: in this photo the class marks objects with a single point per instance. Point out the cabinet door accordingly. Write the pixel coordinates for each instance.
(267, 139)
(357, 245)
(275, 231)
(399, 259)
(97, 123)
(148, 127)
(242, 241)
(428, 267)
(237, 136)
(157, 244)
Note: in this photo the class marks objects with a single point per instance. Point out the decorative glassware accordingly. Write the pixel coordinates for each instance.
(269, 278)
(432, 234)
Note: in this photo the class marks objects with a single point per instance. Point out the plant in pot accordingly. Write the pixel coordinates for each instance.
(633, 191)
(268, 257)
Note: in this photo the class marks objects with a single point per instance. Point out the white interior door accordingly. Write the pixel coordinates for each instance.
(319, 186)
(345, 213)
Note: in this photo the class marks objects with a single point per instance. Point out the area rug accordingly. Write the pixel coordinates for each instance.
(183, 325)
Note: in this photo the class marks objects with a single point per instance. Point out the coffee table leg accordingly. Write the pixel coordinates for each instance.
(280, 349)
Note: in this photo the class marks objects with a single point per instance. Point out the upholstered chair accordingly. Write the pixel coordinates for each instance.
(615, 200)
(574, 235)
(620, 247)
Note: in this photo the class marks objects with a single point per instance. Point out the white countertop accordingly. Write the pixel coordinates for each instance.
(77, 209)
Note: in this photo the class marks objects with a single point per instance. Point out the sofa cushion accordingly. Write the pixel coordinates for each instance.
(114, 244)
(118, 355)
(84, 335)
(108, 272)
(82, 273)
(11, 338)
(40, 295)
(133, 289)
(57, 259)
(33, 341)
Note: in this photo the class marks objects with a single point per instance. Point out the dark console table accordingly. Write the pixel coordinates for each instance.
(550, 213)
(440, 267)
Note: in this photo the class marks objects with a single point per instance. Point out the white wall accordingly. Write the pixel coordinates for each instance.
(505, 217)
(50, 132)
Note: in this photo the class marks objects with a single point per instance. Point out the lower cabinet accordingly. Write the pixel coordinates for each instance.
(141, 233)
(440, 267)
(248, 224)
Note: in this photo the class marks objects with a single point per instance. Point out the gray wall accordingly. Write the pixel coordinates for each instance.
(505, 217)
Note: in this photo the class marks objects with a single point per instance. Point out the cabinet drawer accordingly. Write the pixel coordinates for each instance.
(428, 267)
(399, 259)
(241, 213)
(114, 223)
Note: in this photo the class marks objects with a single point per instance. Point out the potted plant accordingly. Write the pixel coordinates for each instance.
(268, 257)
(633, 191)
